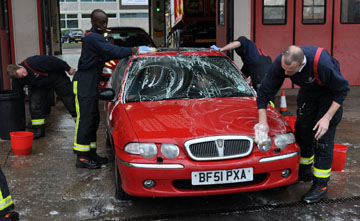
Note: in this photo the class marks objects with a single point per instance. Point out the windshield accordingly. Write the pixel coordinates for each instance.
(77, 33)
(163, 78)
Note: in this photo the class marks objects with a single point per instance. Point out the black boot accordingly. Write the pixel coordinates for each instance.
(13, 216)
(86, 162)
(38, 132)
(317, 192)
(93, 156)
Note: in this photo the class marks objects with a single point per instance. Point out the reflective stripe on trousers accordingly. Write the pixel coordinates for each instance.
(78, 147)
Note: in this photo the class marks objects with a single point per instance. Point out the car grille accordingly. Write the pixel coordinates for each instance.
(219, 147)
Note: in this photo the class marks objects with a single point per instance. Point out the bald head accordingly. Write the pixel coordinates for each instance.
(99, 20)
(292, 60)
(293, 54)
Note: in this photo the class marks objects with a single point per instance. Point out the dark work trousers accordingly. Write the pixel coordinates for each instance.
(316, 153)
(38, 99)
(87, 123)
(6, 203)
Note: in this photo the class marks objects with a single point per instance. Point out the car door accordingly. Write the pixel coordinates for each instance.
(115, 82)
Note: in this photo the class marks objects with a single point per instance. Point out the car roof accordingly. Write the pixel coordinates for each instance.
(131, 29)
(181, 52)
(126, 28)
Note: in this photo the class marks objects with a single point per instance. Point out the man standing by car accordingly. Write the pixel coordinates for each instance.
(43, 73)
(322, 92)
(95, 52)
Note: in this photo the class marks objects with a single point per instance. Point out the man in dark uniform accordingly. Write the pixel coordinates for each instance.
(322, 92)
(95, 52)
(256, 63)
(6, 203)
(43, 73)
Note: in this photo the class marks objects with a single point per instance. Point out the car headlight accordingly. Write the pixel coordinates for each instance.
(264, 147)
(147, 150)
(170, 151)
(282, 140)
(107, 70)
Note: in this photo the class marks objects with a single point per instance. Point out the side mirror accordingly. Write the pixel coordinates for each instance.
(106, 94)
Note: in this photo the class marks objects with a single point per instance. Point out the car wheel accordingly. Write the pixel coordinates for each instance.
(120, 194)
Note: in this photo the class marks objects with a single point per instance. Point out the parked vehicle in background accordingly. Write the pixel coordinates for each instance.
(181, 123)
(123, 37)
(72, 35)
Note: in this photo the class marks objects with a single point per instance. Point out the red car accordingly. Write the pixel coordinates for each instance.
(181, 123)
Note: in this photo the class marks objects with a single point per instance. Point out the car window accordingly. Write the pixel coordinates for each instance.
(77, 32)
(118, 75)
(162, 78)
(130, 39)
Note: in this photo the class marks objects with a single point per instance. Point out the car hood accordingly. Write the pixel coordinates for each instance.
(190, 118)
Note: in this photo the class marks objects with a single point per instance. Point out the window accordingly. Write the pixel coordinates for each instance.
(118, 75)
(97, 0)
(221, 7)
(3, 15)
(350, 12)
(134, 15)
(313, 12)
(68, 0)
(69, 21)
(274, 12)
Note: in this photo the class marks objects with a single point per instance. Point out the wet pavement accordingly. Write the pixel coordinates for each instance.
(46, 185)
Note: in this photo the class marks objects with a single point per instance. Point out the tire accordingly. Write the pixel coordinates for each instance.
(120, 194)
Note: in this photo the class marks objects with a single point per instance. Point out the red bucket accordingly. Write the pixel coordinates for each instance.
(291, 121)
(339, 157)
(21, 142)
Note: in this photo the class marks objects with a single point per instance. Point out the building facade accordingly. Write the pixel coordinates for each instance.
(75, 14)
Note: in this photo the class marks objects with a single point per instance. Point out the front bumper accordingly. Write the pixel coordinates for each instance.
(175, 179)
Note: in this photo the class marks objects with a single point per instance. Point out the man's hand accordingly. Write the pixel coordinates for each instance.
(261, 133)
(72, 71)
(322, 127)
(134, 50)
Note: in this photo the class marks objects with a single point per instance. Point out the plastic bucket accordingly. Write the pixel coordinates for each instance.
(291, 121)
(21, 142)
(339, 157)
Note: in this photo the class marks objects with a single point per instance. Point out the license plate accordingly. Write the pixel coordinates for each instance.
(77, 39)
(222, 176)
